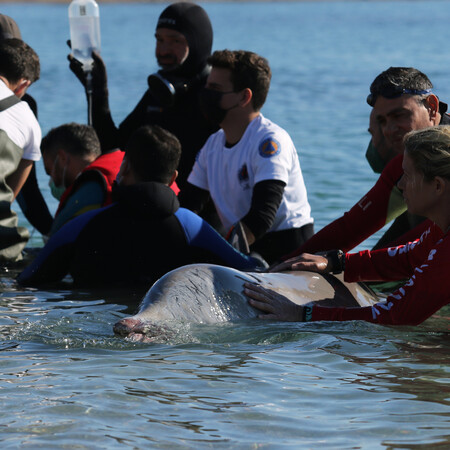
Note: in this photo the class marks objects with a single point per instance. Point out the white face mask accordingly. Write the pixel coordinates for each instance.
(57, 191)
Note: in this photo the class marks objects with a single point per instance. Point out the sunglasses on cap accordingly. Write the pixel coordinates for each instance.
(394, 92)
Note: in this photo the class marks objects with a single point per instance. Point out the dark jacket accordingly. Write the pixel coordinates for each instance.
(137, 239)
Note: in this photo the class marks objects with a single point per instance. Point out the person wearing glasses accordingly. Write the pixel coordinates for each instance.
(425, 263)
(402, 101)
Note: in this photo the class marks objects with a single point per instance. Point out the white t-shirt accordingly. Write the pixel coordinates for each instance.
(21, 126)
(265, 152)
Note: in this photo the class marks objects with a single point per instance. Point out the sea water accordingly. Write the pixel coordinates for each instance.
(67, 381)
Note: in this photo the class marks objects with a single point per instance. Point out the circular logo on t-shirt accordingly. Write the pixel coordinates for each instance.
(269, 147)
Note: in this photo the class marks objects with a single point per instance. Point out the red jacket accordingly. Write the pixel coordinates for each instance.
(378, 207)
(426, 262)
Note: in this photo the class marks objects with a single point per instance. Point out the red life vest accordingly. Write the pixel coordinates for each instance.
(107, 166)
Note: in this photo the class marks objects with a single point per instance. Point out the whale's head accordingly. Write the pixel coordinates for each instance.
(138, 330)
(207, 294)
(199, 293)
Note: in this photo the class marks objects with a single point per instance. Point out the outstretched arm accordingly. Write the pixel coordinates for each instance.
(54, 260)
(101, 114)
(201, 235)
(379, 206)
(33, 204)
(422, 295)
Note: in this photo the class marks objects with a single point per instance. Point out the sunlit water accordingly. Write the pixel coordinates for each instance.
(67, 381)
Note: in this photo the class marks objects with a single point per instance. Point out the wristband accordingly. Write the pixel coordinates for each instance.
(337, 260)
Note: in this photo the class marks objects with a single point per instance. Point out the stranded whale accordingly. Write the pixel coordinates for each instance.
(206, 293)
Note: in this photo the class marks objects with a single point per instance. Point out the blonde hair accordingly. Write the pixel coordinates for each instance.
(429, 150)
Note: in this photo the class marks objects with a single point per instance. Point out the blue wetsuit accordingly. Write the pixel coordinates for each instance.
(137, 239)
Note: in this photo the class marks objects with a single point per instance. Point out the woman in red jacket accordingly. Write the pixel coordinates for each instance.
(424, 262)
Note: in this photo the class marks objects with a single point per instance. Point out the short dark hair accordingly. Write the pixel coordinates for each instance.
(248, 70)
(394, 81)
(153, 153)
(75, 138)
(18, 60)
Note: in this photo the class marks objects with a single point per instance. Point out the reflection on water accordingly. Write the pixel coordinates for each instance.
(62, 370)
(267, 383)
(67, 381)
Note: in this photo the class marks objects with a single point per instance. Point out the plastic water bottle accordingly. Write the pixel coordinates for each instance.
(84, 21)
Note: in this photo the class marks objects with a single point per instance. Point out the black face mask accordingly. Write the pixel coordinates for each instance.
(210, 105)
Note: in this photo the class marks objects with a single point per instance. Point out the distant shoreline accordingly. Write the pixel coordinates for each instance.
(101, 2)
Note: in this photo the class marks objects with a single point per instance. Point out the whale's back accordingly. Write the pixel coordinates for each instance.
(207, 293)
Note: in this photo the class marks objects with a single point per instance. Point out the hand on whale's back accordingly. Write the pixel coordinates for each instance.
(205, 293)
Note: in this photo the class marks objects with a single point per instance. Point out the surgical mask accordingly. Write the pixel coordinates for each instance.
(57, 191)
(210, 105)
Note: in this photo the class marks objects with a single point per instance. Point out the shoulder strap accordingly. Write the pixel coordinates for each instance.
(8, 102)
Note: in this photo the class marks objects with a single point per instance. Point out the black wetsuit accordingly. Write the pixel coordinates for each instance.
(135, 240)
(183, 118)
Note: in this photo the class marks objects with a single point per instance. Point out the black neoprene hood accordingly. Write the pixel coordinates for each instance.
(192, 21)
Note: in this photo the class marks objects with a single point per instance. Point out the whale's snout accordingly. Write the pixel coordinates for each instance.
(126, 326)
(138, 330)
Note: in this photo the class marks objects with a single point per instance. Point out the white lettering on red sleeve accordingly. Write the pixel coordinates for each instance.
(362, 205)
(405, 248)
(399, 295)
(382, 305)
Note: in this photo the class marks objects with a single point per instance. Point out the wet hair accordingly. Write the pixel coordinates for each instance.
(394, 81)
(429, 149)
(153, 154)
(74, 138)
(248, 70)
(18, 60)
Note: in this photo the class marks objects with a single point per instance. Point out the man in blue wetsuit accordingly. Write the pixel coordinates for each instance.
(143, 234)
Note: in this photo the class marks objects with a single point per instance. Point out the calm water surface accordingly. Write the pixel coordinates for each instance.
(66, 381)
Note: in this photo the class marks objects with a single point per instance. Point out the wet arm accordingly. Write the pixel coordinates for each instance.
(54, 260)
